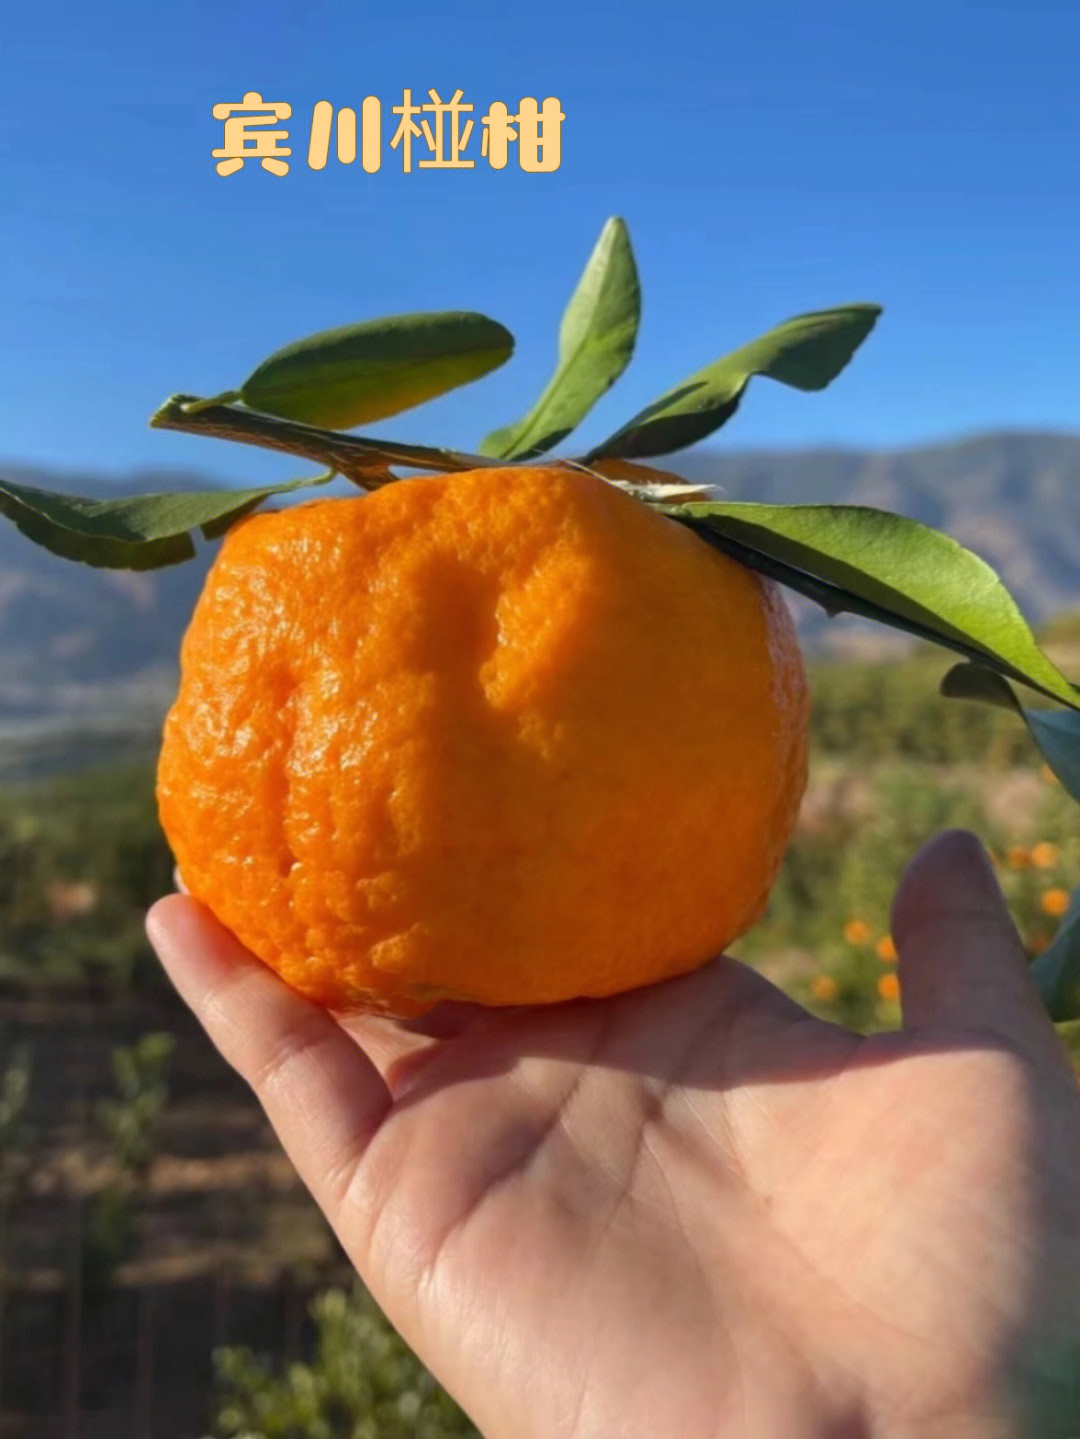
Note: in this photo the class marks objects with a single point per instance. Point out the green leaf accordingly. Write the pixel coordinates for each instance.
(347, 377)
(891, 569)
(144, 532)
(805, 352)
(596, 340)
(1057, 970)
(1056, 732)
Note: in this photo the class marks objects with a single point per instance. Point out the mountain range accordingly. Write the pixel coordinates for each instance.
(93, 652)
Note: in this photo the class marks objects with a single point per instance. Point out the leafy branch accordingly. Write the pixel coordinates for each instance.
(301, 398)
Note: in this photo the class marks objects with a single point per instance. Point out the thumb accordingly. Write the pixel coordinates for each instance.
(961, 962)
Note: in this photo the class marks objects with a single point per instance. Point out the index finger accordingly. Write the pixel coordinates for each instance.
(321, 1093)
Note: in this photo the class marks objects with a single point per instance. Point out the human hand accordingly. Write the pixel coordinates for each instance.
(695, 1209)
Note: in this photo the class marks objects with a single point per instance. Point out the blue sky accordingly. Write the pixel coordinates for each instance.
(768, 159)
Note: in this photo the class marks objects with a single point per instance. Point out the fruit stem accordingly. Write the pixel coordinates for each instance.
(192, 407)
(364, 461)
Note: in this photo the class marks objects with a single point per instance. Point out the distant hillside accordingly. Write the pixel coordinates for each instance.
(95, 650)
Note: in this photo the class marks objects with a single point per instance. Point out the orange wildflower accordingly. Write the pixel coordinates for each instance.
(823, 987)
(857, 931)
(1055, 902)
(888, 987)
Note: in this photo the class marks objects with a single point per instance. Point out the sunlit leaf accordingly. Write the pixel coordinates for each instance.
(596, 340)
(806, 352)
(347, 377)
(889, 568)
(1057, 970)
(143, 532)
(1056, 732)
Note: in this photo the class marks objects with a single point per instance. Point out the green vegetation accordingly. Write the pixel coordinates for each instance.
(16, 1157)
(131, 1120)
(81, 859)
(362, 1383)
(892, 764)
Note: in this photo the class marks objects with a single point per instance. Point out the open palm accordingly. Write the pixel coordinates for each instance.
(695, 1209)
